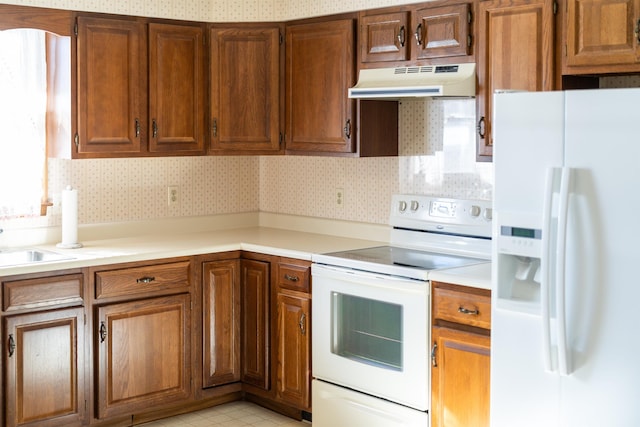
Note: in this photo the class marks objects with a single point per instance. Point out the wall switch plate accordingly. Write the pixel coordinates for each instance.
(172, 195)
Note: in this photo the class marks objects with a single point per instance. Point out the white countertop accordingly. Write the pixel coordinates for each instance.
(267, 240)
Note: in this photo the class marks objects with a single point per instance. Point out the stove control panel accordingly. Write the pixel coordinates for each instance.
(428, 213)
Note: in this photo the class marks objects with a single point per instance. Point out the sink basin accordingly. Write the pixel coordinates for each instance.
(10, 257)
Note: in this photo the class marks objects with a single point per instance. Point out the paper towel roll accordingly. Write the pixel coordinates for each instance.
(69, 219)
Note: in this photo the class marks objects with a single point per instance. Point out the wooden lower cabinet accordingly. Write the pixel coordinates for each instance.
(293, 338)
(143, 358)
(221, 322)
(460, 356)
(460, 379)
(44, 368)
(255, 323)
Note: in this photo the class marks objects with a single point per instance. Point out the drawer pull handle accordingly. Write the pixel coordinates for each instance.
(467, 311)
(12, 345)
(103, 332)
(146, 279)
(434, 362)
(291, 278)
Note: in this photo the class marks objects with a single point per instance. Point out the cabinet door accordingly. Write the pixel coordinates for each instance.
(176, 89)
(245, 89)
(44, 368)
(442, 31)
(221, 322)
(293, 338)
(255, 323)
(112, 93)
(143, 354)
(515, 53)
(320, 68)
(602, 32)
(460, 379)
(385, 37)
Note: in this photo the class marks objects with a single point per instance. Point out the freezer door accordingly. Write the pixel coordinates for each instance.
(603, 289)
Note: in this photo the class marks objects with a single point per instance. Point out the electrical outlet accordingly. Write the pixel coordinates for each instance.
(172, 195)
(340, 197)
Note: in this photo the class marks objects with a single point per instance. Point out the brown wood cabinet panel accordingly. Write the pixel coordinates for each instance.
(176, 89)
(221, 322)
(385, 37)
(602, 36)
(320, 68)
(255, 323)
(143, 280)
(293, 338)
(515, 53)
(460, 379)
(112, 68)
(455, 305)
(143, 354)
(443, 31)
(294, 275)
(44, 368)
(246, 89)
(44, 292)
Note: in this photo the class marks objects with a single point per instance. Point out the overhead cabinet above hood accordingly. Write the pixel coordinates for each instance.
(453, 80)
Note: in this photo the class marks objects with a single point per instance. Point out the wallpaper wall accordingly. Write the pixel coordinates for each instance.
(437, 152)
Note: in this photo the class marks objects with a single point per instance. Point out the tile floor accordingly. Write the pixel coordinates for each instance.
(235, 414)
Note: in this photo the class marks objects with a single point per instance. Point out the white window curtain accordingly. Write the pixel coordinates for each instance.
(23, 105)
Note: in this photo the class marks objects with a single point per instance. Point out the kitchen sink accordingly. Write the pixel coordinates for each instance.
(21, 256)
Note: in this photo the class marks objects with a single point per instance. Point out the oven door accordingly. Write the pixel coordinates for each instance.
(371, 334)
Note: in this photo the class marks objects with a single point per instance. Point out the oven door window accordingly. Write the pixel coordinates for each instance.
(367, 331)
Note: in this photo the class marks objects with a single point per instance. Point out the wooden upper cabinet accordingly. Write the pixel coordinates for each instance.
(111, 94)
(385, 37)
(140, 88)
(320, 68)
(602, 36)
(246, 89)
(407, 35)
(515, 52)
(176, 89)
(443, 31)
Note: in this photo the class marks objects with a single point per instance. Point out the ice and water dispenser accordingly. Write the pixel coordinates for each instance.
(519, 252)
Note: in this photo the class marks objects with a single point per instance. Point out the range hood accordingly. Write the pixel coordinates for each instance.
(453, 80)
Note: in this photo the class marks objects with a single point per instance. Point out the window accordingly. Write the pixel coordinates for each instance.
(35, 112)
(23, 110)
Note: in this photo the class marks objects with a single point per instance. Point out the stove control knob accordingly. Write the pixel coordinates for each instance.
(475, 210)
(488, 214)
(402, 206)
(414, 205)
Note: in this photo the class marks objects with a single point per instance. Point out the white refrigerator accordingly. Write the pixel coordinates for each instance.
(565, 339)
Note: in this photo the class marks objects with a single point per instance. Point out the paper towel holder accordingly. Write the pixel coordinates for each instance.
(69, 219)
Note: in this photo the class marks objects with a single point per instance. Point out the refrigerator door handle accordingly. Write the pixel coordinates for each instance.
(545, 284)
(561, 257)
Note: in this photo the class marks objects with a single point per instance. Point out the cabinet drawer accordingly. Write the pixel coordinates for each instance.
(294, 277)
(462, 307)
(139, 280)
(44, 292)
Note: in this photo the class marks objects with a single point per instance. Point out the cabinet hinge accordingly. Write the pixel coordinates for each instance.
(281, 37)
(469, 17)
(469, 40)
(76, 140)
(281, 139)
(555, 7)
(75, 29)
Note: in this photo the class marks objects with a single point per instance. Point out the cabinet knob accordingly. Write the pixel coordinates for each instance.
(154, 127)
(302, 324)
(137, 129)
(434, 349)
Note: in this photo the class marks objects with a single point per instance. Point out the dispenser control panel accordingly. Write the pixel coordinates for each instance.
(520, 241)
